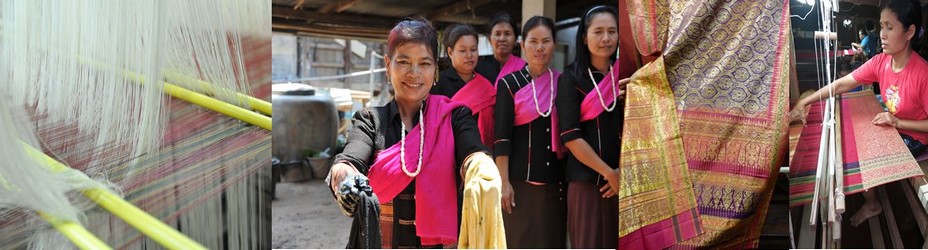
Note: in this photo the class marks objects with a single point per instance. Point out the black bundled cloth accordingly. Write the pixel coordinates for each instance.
(357, 200)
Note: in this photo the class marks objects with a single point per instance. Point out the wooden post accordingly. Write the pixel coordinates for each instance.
(347, 60)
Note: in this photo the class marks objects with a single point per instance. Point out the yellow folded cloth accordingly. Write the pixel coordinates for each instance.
(482, 213)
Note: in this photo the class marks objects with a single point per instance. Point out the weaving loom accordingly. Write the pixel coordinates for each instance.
(840, 152)
(867, 155)
(123, 92)
(870, 155)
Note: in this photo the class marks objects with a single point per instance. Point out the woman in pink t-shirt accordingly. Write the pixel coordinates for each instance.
(903, 77)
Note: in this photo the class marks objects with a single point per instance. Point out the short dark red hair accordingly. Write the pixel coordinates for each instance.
(413, 30)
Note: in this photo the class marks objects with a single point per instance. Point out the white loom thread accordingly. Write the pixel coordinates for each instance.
(25, 184)
(207, 38)
(46, 50)
(43, 41)
(48, 239)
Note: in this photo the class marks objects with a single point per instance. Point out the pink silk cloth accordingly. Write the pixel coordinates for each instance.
(525, 106)
(871, 155)
(728, 65)
(591, 107)
(513, 64)
(436, 194)
(480, 96)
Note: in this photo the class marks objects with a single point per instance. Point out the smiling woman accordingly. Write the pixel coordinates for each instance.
(411, 150)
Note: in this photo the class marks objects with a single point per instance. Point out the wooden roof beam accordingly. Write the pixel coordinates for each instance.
(455, 8)
(341, 19)
(338, 6)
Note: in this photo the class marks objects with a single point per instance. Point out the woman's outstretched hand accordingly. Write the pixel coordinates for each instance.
(798, 114)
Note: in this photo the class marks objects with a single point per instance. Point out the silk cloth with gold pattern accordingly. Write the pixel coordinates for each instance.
(657, 206)
(727, 64)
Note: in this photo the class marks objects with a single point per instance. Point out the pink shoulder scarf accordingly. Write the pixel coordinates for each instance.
(525, 109)
(513, 64)
(591, 107)
(480, 96)
(436, 194)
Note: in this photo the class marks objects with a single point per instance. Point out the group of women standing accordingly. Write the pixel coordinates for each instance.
(555, 137)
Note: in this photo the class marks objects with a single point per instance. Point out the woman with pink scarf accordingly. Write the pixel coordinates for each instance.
(461, 83)
(502, 39)
(589, 102)
(527, 146)
(414, 150)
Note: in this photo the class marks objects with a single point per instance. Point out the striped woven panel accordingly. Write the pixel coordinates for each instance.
(871, 155)
(804, 160)
(657, 207)
(880, 153)
(849, 157)
(794, 131)
(727, 62)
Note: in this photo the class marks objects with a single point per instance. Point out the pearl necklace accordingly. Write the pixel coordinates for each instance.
(403, 145)
(615, 97)
(535, 96)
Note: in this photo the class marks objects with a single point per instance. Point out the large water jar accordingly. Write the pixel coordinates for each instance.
(305, 124)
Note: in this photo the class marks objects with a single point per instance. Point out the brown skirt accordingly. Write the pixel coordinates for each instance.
(593, 222)
(539, 219)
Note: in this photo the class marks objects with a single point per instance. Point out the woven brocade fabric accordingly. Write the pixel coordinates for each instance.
(881, 154)
(649, 20)
(728, 65)
(657, 207)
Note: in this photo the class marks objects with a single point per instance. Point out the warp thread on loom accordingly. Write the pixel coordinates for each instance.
(196, 170)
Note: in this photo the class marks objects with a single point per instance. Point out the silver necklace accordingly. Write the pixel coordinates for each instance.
(535, 95)
(403, 145)
(615, 97)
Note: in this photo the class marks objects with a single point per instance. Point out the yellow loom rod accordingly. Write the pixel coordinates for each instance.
(255, 103)
(209, 102)
(197, 98)
(218, 106)
(78, 235)
(155, 229)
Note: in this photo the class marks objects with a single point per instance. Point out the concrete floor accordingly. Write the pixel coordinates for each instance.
(306, 216)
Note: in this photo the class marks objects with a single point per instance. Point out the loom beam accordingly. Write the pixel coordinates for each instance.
(196, 98)
(218, 106)
(894, 235)
(150, 226)
(255, 103)
(78, 235)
